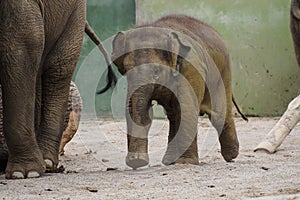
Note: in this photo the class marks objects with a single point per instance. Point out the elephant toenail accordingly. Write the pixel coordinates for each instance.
(17, 175)
(33, 174)
(49, 164)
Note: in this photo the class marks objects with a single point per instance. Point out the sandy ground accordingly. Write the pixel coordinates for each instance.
(95, 168)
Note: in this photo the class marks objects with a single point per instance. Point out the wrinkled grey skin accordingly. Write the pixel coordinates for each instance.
(184, 65)
(295, 27)
(3, 146)
(71, 123)
(40, 44)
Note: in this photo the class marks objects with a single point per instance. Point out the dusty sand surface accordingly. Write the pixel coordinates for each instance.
(95, 168)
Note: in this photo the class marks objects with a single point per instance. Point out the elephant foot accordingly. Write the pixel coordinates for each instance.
(49, 164)
(169, 160)
(20, 175)
(191, 161)
(21, 168)
(230, 153)
(229, 143)
(51, 160)
(136, 160)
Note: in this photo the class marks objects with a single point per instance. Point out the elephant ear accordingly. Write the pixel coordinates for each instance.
(179, 51)
(295, 8)
(118, 53)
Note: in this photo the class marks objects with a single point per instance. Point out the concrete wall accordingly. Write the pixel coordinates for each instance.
(106, 17)
(264, 68)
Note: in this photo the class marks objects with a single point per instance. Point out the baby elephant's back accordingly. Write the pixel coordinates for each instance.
(201, 32)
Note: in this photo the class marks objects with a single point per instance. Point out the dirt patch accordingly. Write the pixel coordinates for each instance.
(95, 167)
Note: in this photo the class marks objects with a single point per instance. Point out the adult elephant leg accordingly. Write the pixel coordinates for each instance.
(25, 158)
(295, 27)
(38, 104)
(59, 66)
(3, 147)
(183, 116)
(138, 125)
(20, 57)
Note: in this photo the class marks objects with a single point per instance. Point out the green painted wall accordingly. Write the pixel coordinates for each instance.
(107, 17)
(264, 68)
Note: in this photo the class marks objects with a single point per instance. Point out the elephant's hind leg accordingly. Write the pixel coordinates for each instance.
(227, 137)
(229, 141)
(59, 66)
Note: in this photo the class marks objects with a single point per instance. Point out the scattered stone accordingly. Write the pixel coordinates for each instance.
(92, 189)
(72, 172)
(111, 169)
(3, 183)
(265, 168)
(61, 169)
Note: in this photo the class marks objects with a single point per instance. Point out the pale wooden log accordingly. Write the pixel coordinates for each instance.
(282, 129)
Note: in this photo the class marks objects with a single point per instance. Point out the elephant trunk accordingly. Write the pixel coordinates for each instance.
(138, 124)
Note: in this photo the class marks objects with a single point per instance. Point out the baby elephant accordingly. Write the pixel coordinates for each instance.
(184, 65)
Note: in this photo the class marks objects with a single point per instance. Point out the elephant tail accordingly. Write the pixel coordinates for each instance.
(111, 77)
(239, 110)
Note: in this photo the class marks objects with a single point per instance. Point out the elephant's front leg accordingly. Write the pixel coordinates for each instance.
(182, 141)
(25, 159)
(20, 57)
(138, 125)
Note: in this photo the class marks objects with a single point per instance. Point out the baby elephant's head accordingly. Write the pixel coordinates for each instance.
(149, 56)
